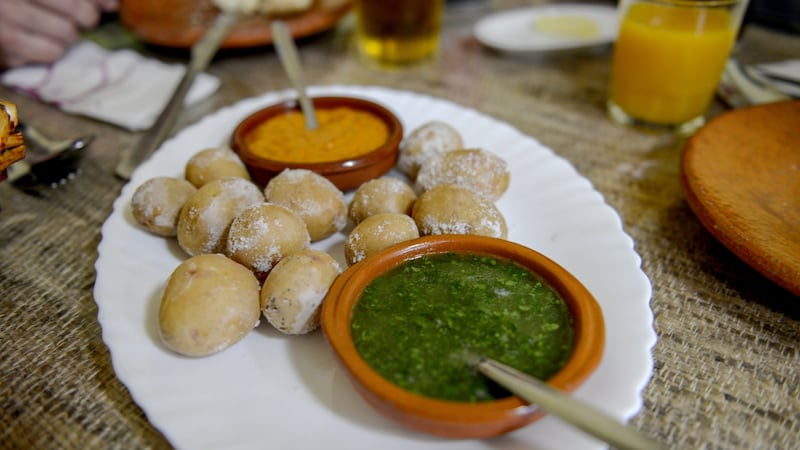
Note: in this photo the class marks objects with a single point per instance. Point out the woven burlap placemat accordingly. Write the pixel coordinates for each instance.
(58, 386)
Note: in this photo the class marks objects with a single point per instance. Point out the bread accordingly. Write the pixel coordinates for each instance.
(12, 143)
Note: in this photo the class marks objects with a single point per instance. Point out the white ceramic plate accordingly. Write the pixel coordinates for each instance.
(521, 30)
(273, 391)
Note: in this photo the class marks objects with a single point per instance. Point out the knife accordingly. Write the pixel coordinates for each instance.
(201, 54)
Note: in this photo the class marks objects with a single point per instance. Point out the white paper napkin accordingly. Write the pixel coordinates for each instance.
(120, 87)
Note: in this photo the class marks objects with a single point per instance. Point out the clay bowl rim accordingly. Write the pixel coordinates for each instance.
(449, 418)
(388, 150)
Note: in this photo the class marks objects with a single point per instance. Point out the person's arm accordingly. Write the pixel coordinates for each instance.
(40, 31)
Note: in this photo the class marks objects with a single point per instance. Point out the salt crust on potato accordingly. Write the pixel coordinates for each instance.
(209, 304)
(157, 203)
(212, 164)
(293, 291)
(381, 195)
(262, 234)
(376, 233)
(425, 141)
(479, 170)
(206, 217)
(451, 209)
(311, 196)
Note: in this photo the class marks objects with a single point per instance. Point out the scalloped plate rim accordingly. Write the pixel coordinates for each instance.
(316, 386)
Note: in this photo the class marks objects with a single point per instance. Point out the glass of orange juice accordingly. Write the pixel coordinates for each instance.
(668, 59)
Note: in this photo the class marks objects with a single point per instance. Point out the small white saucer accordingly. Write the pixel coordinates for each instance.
(518, 30)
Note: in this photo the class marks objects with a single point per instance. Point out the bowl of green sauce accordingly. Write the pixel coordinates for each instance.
(405, 322)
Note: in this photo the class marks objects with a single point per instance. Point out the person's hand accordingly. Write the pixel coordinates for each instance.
(40, 31)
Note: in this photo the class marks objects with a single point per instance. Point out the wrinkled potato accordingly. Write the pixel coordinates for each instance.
(212, 164)
(157, 203)
(210, 303)
(381, 195)
(479, 170)
(206, 217)
(293, 291)
(427, 140)
(262, 234)
(452, 209)
(311, 196)
(376, 233)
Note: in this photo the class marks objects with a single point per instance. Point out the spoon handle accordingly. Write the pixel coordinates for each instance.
(287, 52)
(583, 416)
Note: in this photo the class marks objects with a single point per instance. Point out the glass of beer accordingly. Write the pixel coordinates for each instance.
(668, 59)
(398, 32)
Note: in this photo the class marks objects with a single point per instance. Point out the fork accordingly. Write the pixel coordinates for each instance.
(48, 162)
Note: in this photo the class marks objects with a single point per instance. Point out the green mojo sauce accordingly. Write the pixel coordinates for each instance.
(416, 324)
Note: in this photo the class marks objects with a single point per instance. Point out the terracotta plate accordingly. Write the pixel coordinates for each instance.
(179, 23)
(741, 175)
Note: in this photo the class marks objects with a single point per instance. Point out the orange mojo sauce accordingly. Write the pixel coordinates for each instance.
(343, 133)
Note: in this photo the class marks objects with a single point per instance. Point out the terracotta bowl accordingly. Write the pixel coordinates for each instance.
(449, 418)
(180, 23)
(346, 174)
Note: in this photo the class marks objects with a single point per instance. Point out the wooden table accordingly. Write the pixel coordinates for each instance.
(726, 360)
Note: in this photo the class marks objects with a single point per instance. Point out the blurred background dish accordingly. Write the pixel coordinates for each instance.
(548, 27)
(179, 23)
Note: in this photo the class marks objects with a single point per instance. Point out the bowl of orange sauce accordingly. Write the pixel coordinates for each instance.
(356, 140)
